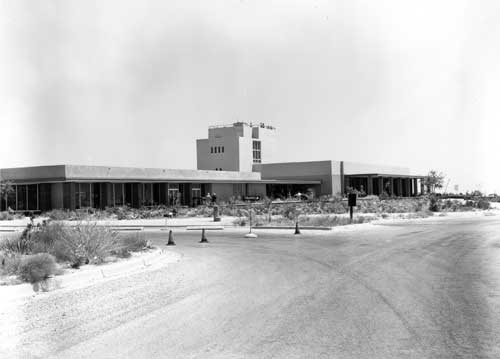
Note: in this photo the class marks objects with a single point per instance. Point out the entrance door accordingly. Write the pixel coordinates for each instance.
(196, 196)
(173, 197)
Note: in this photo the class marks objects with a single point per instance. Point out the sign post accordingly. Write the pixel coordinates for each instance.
(351, 202)
(250, 210)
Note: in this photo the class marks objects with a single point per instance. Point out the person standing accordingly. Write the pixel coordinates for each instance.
(214, 198)
(208, 198)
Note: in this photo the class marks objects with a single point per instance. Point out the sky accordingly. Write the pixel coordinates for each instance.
(134, 83)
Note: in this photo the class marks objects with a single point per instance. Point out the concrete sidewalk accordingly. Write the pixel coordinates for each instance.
(20, 224)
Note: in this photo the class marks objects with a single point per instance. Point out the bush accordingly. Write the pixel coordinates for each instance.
(129, 242)
(76, 244)
(6, 216)
(88, 243)
(20, 245)
(433, 203)
(9, 264)
(37, 267)
(60, 214)
(483, 204)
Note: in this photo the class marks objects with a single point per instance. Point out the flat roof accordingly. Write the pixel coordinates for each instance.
(75, 173)
(382, 175)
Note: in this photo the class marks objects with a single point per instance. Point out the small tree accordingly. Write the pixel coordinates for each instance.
(433, 181)
(6, 188)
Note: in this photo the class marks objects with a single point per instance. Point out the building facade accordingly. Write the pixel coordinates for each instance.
(236, 161)
(236, 147)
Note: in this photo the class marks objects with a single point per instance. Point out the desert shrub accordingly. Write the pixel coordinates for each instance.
(6, 216)
(483, 204)
(129, 242)
(240, 221)
(60, 214)
(75, 244)
(37, 267)
(9, 264)
(88, 243)
(20, 245)
(46, 237)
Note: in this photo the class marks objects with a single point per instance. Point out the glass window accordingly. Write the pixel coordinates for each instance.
(222, 149)
(147, 200)
(211, 150)
(32, 197)
(84, 195)
(256, 152)
(21, 198)
(11, 198)
(119, 200)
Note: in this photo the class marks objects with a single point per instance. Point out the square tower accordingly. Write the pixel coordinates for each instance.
(236, 147)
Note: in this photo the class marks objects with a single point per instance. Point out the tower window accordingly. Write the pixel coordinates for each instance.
(211, 150)
(222, 149)
(256, 152)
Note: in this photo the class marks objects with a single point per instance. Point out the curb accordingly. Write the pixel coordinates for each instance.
(318, 228)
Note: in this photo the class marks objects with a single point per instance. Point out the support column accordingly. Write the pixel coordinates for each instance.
(400, 187)
(422, 186)
(408, 187)
(369, 187)
(391, 186)
(415, 186)
(342, 179)
(380, 186)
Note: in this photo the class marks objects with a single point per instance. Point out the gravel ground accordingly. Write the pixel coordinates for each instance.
(425, 289)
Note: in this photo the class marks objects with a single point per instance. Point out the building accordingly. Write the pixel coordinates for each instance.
(235, 147)
(236, 161)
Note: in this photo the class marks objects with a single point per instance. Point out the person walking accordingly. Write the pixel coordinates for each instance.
(214, 198)
(208, 198)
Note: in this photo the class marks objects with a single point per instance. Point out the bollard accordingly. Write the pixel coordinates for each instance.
(203, 237)
(297, 230)
(216, 214)
(170, 239)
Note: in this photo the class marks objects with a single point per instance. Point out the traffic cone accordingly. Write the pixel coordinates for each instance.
(297, 230)
(203, 237)
(170, 239)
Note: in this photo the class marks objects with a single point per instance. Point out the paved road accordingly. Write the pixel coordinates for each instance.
(422, 290)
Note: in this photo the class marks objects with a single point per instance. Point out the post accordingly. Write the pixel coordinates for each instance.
(351, 202)
(369, 185)
(380, 186)
(250, 234)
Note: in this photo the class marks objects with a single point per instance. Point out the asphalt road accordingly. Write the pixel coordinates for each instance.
(422, 290)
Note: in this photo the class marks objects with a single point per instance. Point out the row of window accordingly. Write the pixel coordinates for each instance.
(217, 149)
(218, 169)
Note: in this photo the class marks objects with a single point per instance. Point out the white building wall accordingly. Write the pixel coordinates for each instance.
(220, 138)
(352, 168)
(237, 141)
(245, 155)
(267, 139)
